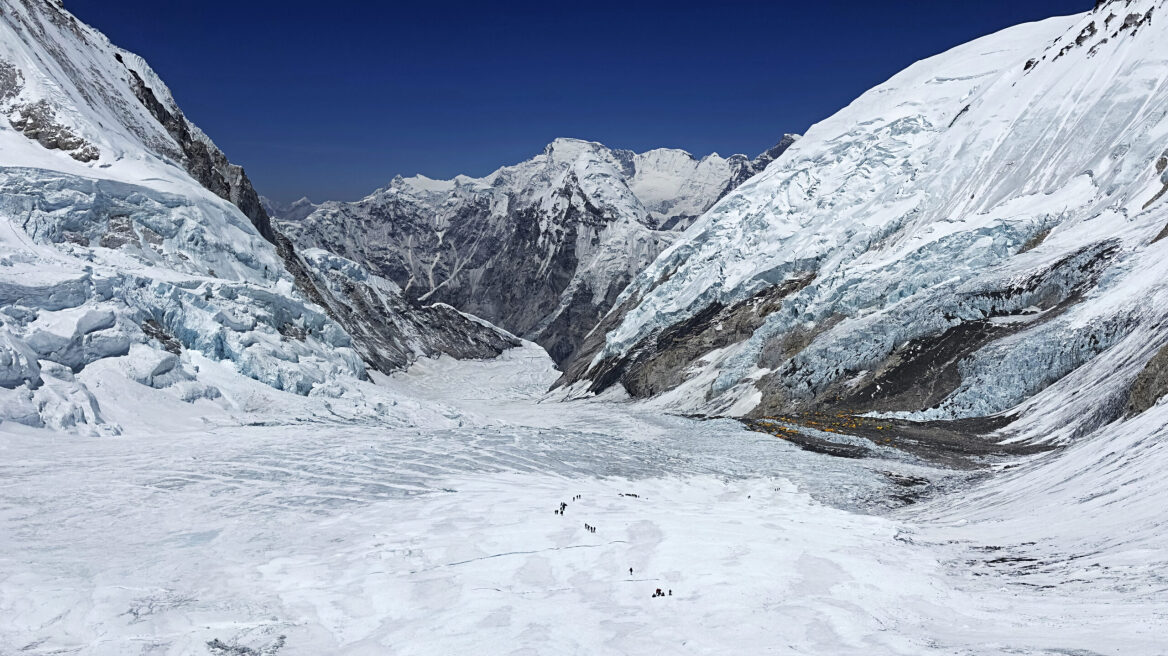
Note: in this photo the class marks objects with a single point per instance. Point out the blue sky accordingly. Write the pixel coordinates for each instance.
(332, 99)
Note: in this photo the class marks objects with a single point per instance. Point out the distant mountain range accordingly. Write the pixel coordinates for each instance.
(541, 248)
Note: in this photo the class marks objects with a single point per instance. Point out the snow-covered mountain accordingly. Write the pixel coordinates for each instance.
(980, 234)
(985, 231)
(294, 211)
(131, 249)
(541, 248)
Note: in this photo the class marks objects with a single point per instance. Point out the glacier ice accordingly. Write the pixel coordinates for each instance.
(128, 239)
(971, 189)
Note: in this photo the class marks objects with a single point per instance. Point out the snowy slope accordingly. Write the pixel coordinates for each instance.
(957, 240)
(541, 248)
(127, 238)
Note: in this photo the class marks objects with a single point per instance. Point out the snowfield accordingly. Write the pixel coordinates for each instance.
(441, 537)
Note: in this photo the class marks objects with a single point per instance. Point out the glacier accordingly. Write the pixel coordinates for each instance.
(436, 534)
(939, 317)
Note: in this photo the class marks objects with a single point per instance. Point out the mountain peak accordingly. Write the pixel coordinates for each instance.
(569, 227)
(565, 149)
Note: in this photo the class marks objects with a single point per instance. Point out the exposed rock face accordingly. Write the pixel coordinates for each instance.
(1150, 385)
(203, 160)
(542, 248)
(38, 121)
(926, 370)
(960, 267)
(389, 331)
(658, 364)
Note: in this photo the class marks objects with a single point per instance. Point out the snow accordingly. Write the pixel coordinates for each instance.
(671, 182)
(180, 473)
(438, 536)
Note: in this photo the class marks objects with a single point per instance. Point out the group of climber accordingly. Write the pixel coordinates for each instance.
(592, 529)
(564, 505)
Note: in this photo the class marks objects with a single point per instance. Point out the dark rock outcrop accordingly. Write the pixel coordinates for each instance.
(390, 331)
(1150, 385)
(658, 364)
(206, 163)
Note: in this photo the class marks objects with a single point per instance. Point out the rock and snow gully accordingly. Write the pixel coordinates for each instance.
(933, 328)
